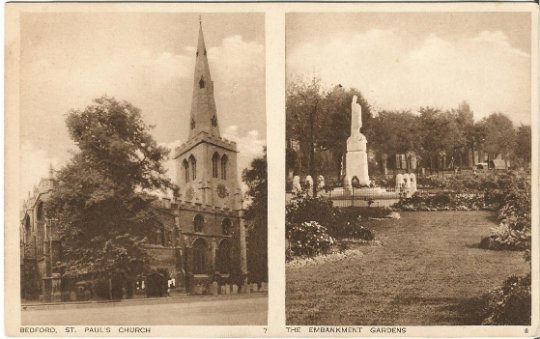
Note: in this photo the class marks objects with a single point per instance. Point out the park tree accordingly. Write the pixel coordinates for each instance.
(452, 135)
(256, 178)
(396, 132)
(430, 140)
(465, 121)
(102, 214)
(440, 134)
(479, 134)
(523, 143)
(319, 121)
(304, 119)
(500, 136)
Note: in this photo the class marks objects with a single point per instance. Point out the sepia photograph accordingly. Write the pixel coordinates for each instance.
(408, 165)
(142, 177)
(271, 169)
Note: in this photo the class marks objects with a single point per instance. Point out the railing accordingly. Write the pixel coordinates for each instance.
(359, 202)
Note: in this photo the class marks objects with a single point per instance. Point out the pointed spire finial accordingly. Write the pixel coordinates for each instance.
(203, 106)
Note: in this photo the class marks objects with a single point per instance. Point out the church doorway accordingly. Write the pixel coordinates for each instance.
(200, 249)
(156, 285)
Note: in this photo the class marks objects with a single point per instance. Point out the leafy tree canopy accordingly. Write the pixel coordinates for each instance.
(397, 132)
(325, 113)
(256, 178)
(500, 134)
(102, 216)
(319, 121)
(523, 143)
(318, 125)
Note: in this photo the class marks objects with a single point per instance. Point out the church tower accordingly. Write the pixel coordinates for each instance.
(206, 163)
(209, 214)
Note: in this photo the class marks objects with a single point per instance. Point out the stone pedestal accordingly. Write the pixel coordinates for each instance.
(357, 163)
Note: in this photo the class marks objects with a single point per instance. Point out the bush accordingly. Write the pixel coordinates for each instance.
(510, 304)
(301, 209)
(383, 181)
(353, 229)
(508, 190)
(443, 201)
(516, 211)
(339, 223)
(514, 230)
(504, 237)
(308, 239)
(472, 182)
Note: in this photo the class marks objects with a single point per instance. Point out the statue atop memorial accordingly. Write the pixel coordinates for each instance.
(356, 116)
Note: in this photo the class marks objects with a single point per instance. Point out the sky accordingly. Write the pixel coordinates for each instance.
(147, 59)
(403, 61)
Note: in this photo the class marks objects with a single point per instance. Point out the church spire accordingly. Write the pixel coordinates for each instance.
(203, 106)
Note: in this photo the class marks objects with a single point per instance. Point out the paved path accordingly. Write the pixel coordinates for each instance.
(232, 311)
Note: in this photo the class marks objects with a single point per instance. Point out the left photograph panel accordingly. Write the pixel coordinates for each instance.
(142, 168)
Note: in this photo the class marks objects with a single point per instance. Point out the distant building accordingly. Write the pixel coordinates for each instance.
(203, 237)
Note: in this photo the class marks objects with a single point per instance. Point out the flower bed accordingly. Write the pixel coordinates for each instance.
(308, 239)
(444, 201)
(314, 226)
(322, 259)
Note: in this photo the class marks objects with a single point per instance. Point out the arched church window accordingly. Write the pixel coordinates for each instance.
(223, 257)
(201, 82)
(224, 163)
(198, 223)
(40, 212)
(185, 164)
(215, 161)
(226, 226)
(199, 256)
(193, 163)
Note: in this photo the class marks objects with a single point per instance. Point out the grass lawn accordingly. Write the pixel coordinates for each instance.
(428, 271)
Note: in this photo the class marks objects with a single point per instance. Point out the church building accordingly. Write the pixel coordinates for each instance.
(209, 213)
(202, 241)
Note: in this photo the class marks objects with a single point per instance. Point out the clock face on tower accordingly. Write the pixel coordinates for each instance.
(222, 191)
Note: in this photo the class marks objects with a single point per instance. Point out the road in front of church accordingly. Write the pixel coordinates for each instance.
(232, 311)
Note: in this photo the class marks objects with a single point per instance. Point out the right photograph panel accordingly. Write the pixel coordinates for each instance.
(408, 168)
